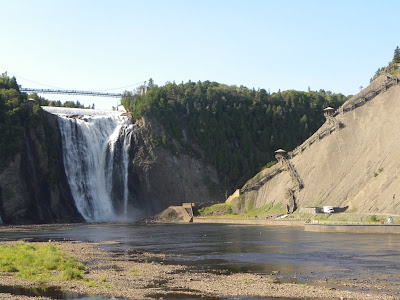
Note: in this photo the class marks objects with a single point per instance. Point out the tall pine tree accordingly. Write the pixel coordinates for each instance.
(396, 56)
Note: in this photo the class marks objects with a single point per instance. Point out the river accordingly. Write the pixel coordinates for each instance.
(289, 251)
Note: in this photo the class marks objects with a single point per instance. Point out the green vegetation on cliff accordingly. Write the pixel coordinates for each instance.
(16, 113)
(16, 116)
(389, 68)
(13, 115)
(220, 209)
(238, 128)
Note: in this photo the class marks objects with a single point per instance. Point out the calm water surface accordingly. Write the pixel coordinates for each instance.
(232, 248)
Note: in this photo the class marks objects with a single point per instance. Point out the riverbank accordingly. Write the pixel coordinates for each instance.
(140, 275)
(308, 224)
(353, 228)
(267, 222)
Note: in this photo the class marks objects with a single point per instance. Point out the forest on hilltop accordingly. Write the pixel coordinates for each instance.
(16, 115)
(238, 128)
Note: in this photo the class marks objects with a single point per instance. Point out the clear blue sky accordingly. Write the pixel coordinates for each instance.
(99, 45)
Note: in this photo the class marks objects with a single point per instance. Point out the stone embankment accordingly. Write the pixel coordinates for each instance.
(352, 228)
(265, 222)
(342, 227)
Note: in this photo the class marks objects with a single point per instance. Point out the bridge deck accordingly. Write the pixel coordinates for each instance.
(72, 92)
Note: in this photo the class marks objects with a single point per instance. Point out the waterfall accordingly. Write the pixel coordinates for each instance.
(96, 157)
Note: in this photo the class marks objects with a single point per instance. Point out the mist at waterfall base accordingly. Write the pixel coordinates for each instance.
(95, 145)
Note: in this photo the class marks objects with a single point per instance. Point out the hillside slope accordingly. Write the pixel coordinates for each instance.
(238, 129)
(356, 165)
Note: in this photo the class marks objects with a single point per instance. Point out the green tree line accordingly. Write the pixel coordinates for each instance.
(13, 115)
(17, 113)
(57, 103)
(238, 128)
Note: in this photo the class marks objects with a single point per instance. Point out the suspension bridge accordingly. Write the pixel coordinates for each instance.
(72, 92)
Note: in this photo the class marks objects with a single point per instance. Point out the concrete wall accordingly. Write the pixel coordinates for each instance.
(311, 210)
(233, 196)
(353, 228)
(249, 221)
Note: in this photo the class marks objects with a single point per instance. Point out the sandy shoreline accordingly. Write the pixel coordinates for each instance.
(133, 275)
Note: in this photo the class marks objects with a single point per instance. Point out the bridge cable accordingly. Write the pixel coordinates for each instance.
(54, 87)
(57, 87)
(119, 87)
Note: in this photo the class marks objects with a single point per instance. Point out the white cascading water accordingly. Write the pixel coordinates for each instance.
(96, 157)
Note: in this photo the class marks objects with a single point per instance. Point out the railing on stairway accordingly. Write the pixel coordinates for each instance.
(255, 183)
(333, 124)
(293, 173)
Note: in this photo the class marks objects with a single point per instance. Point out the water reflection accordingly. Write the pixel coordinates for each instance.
(47, 291)
(308, 255)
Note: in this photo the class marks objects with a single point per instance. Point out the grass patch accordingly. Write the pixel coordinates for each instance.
(250, 204)
(270, 164)
(274, 280)
(136, 272)
(92, 284)
(71, 274)
(39, 262)
(373, 218)
(268, 209)
(346, 217)
(247, 281)
(322, 217)
(224, 210)
(267, 166)
(219, 209)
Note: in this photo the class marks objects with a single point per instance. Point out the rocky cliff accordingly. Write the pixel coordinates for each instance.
(159, 178)
(352, 161)
(33, 186)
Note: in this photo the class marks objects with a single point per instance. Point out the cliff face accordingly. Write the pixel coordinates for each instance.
(351, 161)
(33, 187)
(158, 178)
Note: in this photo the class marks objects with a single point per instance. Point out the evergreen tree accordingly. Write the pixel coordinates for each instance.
(151, 83)
(396, 56)
(238, 128)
